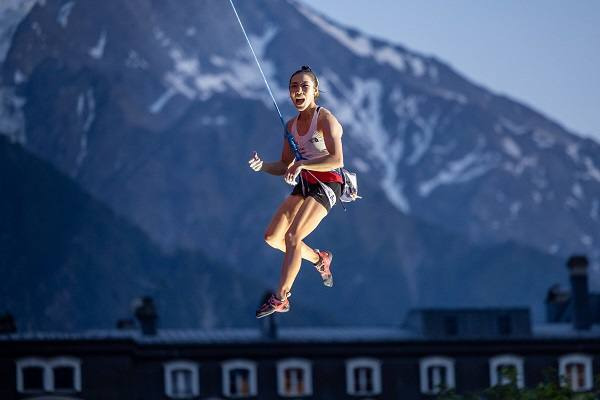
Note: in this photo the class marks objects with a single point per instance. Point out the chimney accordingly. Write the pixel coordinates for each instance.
(7, 324)
(145, 312)
(582, 319)
(268, 325)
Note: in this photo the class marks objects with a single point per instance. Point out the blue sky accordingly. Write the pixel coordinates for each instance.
(543, 53)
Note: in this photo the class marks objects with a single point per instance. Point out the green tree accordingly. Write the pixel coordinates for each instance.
(548, 389)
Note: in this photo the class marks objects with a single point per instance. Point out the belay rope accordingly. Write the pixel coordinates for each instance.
(348, 177)
(288, 135)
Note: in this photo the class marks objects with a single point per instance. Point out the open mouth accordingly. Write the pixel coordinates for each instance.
(299, 101)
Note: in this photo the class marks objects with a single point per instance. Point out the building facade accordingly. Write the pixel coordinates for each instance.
(298, 363)
(465, 349)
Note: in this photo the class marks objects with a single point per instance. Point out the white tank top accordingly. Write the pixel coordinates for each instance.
(311, 144)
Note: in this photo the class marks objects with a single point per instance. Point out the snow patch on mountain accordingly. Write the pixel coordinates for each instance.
(12, 12)
(194, 81)
(91, 110)
(572, 150)
(161, 37)
(517, 167)
(159, 103)
(388, 55)
(422, 138)
(577, 191)
(217, 120)
(586, 240)
(450, 95)
(515, 207)
(510, 126)
(12, 119)
(406, 108)
(64, 12)
(417, 64)
(86, 110)
(571, 203)
(217, 61)
(360, 164)
(19, 77)
(433, 74)
(136, 61)
(511, 147)
(359, 108)
(470, 166)
(98, 50)
(592, 171)
(543, 138)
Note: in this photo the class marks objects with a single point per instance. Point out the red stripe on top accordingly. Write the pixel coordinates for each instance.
(323, 176)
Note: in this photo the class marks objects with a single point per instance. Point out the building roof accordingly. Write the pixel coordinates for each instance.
(222, 336)
(564, 331)
(296, 335)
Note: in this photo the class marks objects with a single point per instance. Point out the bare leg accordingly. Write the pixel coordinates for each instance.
(281, 222)
(306, 220)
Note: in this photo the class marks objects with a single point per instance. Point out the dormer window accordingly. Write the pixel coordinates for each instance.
(576, 371)
(61, 375)
(503, 368)
(451, 325)
(363, 377)
(181, 379)
(239, 378)
(504, 325)
(436, 373)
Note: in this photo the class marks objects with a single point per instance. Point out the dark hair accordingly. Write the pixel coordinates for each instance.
(305, 69)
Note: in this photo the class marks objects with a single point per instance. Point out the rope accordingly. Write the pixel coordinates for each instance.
(288, 135)
(257, 63)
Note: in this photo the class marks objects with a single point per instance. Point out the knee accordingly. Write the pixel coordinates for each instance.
(291, 239)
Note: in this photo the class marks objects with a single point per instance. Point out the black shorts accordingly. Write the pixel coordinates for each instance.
(315, 191)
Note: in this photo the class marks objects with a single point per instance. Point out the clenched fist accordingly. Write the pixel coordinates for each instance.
(255, 162)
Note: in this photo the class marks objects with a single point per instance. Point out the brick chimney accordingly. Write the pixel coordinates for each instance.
(582, 318)
(145, 312)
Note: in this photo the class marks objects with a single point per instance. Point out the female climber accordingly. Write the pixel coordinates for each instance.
(318, 137)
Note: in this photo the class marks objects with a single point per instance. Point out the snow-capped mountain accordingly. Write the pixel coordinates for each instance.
(155, 107)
